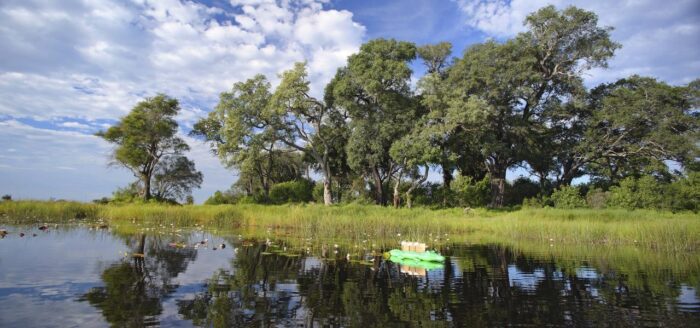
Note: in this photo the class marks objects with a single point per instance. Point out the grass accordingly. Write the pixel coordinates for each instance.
(647, 245)
(646, 229)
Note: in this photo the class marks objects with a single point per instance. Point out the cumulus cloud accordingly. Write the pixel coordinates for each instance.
(99, 57)
(660, 40)
(79, 65)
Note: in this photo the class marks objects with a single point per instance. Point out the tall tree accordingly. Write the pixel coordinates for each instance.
(517, 79)
(637, 124)
(239, 131)
(145, 136)
(174, 179)
(375, 90)
(306, 123)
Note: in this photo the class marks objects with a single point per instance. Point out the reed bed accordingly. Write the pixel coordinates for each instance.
(672, 232)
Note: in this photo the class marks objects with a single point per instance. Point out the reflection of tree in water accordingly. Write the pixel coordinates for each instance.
(253, 295)
(477, 288)
(134, 289)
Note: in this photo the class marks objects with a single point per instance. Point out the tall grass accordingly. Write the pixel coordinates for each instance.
(640, 228)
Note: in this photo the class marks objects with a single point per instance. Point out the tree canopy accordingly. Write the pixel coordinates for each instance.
(147, 144)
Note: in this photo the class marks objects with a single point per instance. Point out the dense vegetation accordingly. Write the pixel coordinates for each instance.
(520, 103)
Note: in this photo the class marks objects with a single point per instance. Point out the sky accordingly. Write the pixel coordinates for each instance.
(71, 68)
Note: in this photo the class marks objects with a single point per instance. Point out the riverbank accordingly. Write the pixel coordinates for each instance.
(673, 232)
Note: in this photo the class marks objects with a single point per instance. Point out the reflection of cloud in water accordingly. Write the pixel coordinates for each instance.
(688, 300)
(524, 280)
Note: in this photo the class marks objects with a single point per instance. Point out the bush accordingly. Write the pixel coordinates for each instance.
(597, 198)
(6, 198)
(538, 202)
(128, 194)
(219, 198)
(685, 193)
(318, 193)
(632, 193)
(568, 197)
(467, 192)
(292, 192)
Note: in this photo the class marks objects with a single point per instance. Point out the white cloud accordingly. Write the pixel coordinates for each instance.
(660, 40)
(122, 51)
(75, 125)
(79, 64)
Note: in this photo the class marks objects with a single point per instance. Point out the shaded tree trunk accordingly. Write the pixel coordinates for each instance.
(397, 195)
(414, 185)
(147, 187)
(378, 188)
(327, 196)
(498, 186)
(446, 182)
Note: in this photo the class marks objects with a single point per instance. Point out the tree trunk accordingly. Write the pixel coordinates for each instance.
(147, 188)
(378, 188)
(397, 196)
(446, 176)
(446, 181)
(414, 185)
(327, 196)
(498, 187)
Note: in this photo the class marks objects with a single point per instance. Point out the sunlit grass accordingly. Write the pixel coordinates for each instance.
(673, 232)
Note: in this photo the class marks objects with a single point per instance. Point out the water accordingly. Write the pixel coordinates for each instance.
(73, 276)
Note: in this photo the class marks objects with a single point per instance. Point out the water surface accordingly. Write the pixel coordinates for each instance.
(82, 276)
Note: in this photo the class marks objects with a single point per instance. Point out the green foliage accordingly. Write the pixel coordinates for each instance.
(633, 193)
(521, 189)
(685, 193)
(219, 198)
(145, 136)
(299, 191)
(128, 194)
(317, 193)
(174, 179)
(568, 197)
(470, 193)
(597, 198)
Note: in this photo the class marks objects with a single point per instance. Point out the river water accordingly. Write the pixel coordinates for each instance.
(81, 276)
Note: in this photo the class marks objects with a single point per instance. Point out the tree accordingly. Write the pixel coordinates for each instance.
(627, 128)
(517, 79)
(239, 131)
(374, 88)
(145, 136)
(174, 179)
(306, 123)
(637, 124)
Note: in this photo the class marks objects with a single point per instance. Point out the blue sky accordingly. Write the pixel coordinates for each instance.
(70, 68)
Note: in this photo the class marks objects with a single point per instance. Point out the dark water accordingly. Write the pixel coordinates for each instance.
(79, 277)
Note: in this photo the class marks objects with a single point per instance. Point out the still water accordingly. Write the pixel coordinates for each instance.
(79, 276)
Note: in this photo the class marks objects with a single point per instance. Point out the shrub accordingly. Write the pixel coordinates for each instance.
(568, 197)
(219, 198)
(597, 198)
(318, 193)
(128, 194)
(645, 192)
(468, 192)
(292, 192)
(538, 202)
(6, 198)
(685, 193)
